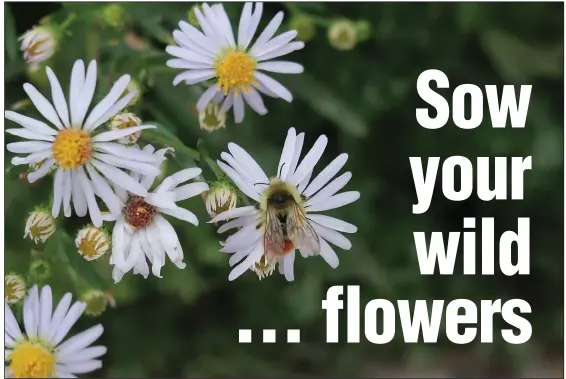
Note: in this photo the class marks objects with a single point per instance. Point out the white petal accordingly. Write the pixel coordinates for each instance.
(78, 195)
(119, 178)
(335, 201)
(194, 76)
(224, 22)
(116, 134)
(28, 147)
(58, 97)
(244, 24)
(233, 213)
(87, 188)
(238, 256)
(277, 42)
(117, 107)
(332, 236)
(69, 320)
(30, 123)
(281, 67)
(33, 158)
(59, 314)
(46, 307)
(104, 191)
(228, 102)
(297, 154)
(181, 214)
(283, 50)
(247, 163)
(83, 367)
(189, 55)
(303, 183)
(236, 178)
(197, 36)
(238, 108)
(42, 171)
(333, 223)
(206, 97)
(10, 324)
(254, 100)
(128, 163)
(269, 31)
(186, 65)
(274, 86)
(186, 42)
(326, 174)
(310, 160)
(254, 22)
(331, 189)
(177, 178)
(62, 373)
(289, 263)
(161, 199)
(107, 102)
(28, 134)
(31, 315)
(58, 190)
(75, 90)
(287, 154)
(253, 258)
(328, 254)
(81, 340)
(71, 356)
(237, 223)
(43, 105)
(86, 94)
(190, 190)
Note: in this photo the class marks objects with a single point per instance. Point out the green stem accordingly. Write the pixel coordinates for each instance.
(68, 22)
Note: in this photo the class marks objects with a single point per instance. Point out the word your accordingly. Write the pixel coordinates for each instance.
(269, 336)
(497, 110)
(423, 319)
(463, 189)
(445, 254)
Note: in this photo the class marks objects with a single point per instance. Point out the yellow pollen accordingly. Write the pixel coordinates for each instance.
(72, 148)
(31, 360)
(236, 71)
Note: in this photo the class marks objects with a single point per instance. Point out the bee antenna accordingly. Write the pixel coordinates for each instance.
(281, 169)
(265, 184)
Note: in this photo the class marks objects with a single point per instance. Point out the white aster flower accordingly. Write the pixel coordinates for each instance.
(237, 65)
(40, 352)
(92, 242)
(290, 199)
(86, 161)
(39, 44)
(142, 232)
(40, 225)
(14, 288)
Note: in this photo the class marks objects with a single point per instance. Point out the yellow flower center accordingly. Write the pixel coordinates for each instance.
(72, 148)
(31, 360)
(236, 71)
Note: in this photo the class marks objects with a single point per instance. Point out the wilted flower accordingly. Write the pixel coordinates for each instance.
(343, 35)
(221, 197)
(92, 242)
(39, 43)
(96, 302)
(304, 26)
(14, 288)
(211, 118)
(123, 121)
(40, 226)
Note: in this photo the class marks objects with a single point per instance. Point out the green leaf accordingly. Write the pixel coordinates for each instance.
(518, 62)
(327, 103)
(62, 246)
(11, 37)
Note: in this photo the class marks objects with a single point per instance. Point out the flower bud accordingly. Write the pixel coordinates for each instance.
(14, 288)
(221, 196)
(92, 242)
(39, 270)
(40, 225)
(211, 119)
(304, 26)
(363, 30)
(134, 86)
(39, 43)
(191, 16)
(96, 302)
(343, 35)
(114, 15)
(126, 120)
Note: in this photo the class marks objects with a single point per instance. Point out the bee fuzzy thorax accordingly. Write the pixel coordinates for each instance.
(278, 194)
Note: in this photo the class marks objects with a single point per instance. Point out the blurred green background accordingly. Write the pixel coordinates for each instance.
(364, 100)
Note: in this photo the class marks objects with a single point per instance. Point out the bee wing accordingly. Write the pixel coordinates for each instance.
(273, 238)
(301, 232)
